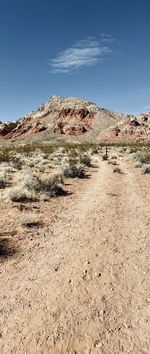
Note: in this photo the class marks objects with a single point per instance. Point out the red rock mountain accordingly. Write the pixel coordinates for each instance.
(61, 116)
(69, 117)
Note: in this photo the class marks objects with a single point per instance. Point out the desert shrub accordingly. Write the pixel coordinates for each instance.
(41, 169)
(146, 169)
(117, 170)
(17, 194)
(85, 159)
(16, 162)
(113, 157)
(50, 186)
(31, 164)
(112, 162)
(144, 157)
(138, 164)
(4, 155)
(73, 153)
(105, 157)
(2, 179)
(73, 171)
(132, 150)
(95, 150)
(26, 180)
(45, 162)
(30, 220)
(72, 161)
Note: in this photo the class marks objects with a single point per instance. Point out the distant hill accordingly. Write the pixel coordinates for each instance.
(61, 117)
(130, 128)
(73, 119)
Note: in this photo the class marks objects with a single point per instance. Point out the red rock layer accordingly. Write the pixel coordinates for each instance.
(74, 122)
(131, 128)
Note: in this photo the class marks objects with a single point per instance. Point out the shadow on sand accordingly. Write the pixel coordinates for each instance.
(7, 248)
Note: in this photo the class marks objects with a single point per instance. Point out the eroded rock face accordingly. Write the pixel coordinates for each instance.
(26, 129)
(61, 115)
(6, 128)
(74, 122)
(130, 128)
(79, 118)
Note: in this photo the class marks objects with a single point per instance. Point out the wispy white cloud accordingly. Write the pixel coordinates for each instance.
(107, 38)
(84, 53)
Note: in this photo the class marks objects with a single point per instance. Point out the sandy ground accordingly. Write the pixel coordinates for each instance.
(80, 283)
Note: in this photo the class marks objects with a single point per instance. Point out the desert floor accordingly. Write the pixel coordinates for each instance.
(79, 283)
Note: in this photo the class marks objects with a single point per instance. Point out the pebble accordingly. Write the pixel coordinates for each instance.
(98, 344)
(56, 269)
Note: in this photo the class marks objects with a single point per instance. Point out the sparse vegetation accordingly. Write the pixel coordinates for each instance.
(146, 169)
(31, 171)
(105, 157)
(138, 164)
(40, 170)
(30, 220)
(143, 157)
(4, 156)
(117, 170)
(73, 171)
(113, 162)
(85, 160)
(50, 186)
(2, 179)
(17, 194)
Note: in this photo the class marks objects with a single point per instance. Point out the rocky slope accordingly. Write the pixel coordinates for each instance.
(72, 118)
(62, 116)
(130, 128)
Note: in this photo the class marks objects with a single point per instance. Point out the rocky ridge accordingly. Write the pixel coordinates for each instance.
(130, 128)
(78, 119)
(62, 115)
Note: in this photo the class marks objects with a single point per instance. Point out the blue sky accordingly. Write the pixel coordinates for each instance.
(98, 50)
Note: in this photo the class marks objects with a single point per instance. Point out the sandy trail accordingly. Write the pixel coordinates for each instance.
(83, 287)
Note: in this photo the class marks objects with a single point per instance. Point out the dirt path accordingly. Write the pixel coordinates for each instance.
(83, 287)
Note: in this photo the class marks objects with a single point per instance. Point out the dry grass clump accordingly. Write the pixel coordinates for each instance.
(146, 169)
(112, 162)
(117, 170)
(17, 194)
(2, 179)
(16, 161)
(29, 187)
(51, 186)
(73, 169)
(138, 164)
(105, 157)
(85, 160)
(27, 180)
(73, 153)
(95, 150)
(113, 157)
(143, 160)
(4, 155)
(30, 220)
(143, 157)
(23, 188)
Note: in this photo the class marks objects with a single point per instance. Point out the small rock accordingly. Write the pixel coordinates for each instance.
(98, 344)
